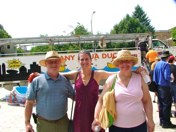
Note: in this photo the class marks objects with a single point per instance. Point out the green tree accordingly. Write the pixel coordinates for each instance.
(173, 34)
(128, 25)
(143, 18)
(40, 48)
(80, 30)
(3, 33)
(20, 50)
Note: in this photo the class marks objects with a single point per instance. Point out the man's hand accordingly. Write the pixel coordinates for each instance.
(29, 128)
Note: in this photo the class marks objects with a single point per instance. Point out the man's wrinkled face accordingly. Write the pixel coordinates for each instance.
(53, 64)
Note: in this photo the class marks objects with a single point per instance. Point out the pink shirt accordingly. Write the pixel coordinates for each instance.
(129, 106)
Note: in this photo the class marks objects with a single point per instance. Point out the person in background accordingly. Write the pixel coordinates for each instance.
(32, 76)
(162, 77)
(157, 59)
(137, 41)
(50, 91)
(175, 61)
(133, 102)
(15, 99)
(151, 56)
(173, 82)
(144, 49)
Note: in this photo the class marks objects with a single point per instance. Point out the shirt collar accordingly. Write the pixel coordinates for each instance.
(48, 77)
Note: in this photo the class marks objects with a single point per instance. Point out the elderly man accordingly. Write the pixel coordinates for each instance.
(50, 92)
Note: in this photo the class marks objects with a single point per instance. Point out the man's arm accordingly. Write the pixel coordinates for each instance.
(28, 112)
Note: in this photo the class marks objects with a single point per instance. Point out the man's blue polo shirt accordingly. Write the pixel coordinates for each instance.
(50, 95)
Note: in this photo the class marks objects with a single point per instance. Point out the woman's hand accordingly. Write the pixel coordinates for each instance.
(140, 69)
(32, 76)
(151, 126)
(95, 123)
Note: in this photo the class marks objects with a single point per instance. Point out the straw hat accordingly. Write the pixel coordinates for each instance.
(124, 55)
(50, 55)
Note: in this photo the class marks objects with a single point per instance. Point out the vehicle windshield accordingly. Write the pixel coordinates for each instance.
(159, 44)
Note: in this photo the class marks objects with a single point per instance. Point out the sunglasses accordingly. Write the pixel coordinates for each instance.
(125, 61)
(53, 61)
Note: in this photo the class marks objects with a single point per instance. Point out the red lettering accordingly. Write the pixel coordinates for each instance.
(104, 55)
(109, 55)
(96, 56)
(68, 58)
(114, 55)
(92, 56)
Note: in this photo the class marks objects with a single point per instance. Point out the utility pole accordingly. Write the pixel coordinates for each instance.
(91, 22)
(93, 44)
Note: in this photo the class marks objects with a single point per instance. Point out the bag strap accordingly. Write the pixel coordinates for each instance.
(71, 115)
(112, 87)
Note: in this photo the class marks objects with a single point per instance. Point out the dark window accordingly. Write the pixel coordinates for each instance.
(159, 44)
(8, 46)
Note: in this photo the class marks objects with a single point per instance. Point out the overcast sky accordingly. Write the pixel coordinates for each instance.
(30, 18)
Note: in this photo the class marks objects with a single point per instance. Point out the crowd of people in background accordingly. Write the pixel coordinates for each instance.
(162, 70)
(162, 78)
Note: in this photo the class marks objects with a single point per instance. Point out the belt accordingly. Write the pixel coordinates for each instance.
(41, 118)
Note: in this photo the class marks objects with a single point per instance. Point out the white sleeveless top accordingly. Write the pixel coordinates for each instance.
(129, 106)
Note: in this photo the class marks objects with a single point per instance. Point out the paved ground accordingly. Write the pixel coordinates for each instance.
(12, 118)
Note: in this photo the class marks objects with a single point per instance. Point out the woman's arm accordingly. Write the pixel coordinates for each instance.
(99, 104)
(102, 75)
(148, 106)
(70, 75)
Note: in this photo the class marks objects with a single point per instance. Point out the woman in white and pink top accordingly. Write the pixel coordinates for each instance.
(133, 102)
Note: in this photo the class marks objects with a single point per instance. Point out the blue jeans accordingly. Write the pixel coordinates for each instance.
(140, 128)
(165, 102)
